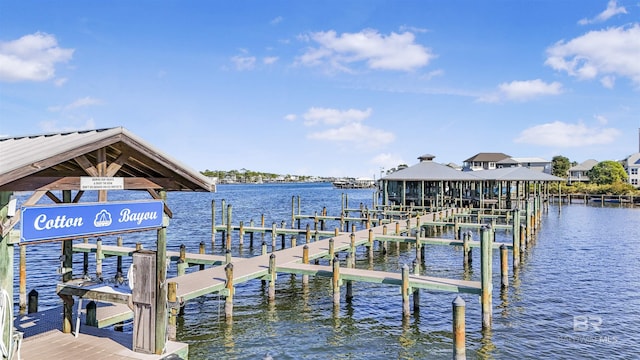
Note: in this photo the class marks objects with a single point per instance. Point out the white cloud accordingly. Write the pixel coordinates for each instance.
(31, 58)
(392, 52)
(290, 117)
(561, 134)
(602, 120)
(608, 81)
(387, 161)
(270, 60)
(276, 20)
(346, 126)
(244, 62)
(329, 116)
(611, 10)
(82, 102)
(613, 51)
(355, 134)
(522, 91)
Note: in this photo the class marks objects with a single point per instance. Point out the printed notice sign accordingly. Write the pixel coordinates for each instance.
(77, 220)
(101, 183)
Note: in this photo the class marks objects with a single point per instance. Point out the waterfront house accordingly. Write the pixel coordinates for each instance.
(533, 163)
(632, 166)
(579, 173)
(484, 161)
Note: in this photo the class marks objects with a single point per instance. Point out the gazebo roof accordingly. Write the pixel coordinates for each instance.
(57, 161)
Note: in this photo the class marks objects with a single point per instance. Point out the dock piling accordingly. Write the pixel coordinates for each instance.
(459, 347)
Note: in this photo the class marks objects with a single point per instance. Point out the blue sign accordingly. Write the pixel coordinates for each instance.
(77, 220)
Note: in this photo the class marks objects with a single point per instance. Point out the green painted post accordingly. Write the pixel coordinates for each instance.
(466, 250)
(202, 250)
(305, 260)
(228, 240)
(23, 279)
(336, 282)
(182, 264)
(274, 235)
(161, 283)
(293, 211)
(119, 243)
(516, 238)
(331, 250)
(485, 281)
(352, 247)
(350, 264)
(416, 291)
(213, 225)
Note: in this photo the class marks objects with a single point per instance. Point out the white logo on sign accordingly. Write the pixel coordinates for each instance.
(103, 218)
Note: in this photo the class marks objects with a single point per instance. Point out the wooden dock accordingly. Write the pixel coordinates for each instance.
(43, 335)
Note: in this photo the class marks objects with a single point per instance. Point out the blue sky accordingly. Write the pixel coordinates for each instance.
(329, 88)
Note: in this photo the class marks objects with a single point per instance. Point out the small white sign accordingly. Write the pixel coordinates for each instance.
(101, 183)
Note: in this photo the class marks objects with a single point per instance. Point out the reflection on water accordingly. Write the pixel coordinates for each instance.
(575, 294)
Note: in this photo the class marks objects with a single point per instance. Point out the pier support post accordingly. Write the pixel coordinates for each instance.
(523, 238)
(504, 266)
(485, 275)
(172, 290)
(331, 251)
(228, 302)
(33, 302)
(213, 225)
(274, 235)
(85, 260)
(202, 250)
(406, 313)
(459, 347)
(182, 264)
(516, 238)
(336, 282)
(305, 260)
(466, 249)
(99, 257)
(416, 291)
(272, 278)
(370, 244)
(227, 242)
(350, 264)
(23, 279)
(91, 317)
(119, 243)
(241, 234)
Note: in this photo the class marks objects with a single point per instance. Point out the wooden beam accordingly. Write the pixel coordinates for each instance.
(53, 197)
(86, 165)
(157, 196)
(117, 164)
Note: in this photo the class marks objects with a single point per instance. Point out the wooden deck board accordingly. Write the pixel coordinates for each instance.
(43, 335)
(383, 277)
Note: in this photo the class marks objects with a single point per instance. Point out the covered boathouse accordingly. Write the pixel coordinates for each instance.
(433, 185)
(62, 167)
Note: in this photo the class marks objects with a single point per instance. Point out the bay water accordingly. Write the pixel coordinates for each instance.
(575, 296)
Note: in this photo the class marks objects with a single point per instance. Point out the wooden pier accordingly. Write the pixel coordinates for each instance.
(212, 277)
